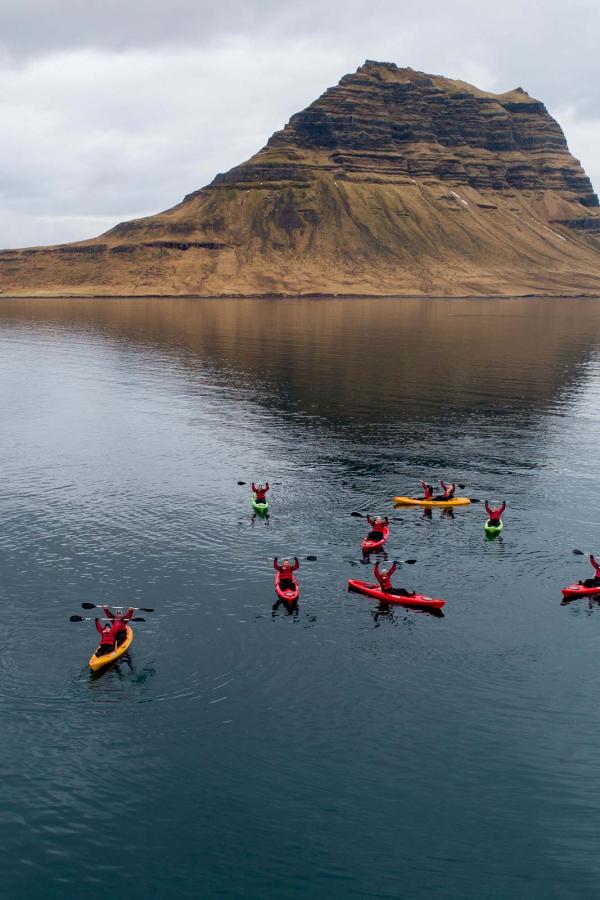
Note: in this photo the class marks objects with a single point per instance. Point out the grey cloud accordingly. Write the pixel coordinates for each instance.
(114, 109)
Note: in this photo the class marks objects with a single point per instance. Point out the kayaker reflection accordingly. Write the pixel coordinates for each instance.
(113, 632)
(595, 581)
(285, 570)
(377, 526)
(384, 577)
(260, 492)
(494, 514)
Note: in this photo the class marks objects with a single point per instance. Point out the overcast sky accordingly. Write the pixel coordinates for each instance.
(111, 109)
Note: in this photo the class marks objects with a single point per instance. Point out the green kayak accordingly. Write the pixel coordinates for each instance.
(260, 508)
(493, 530)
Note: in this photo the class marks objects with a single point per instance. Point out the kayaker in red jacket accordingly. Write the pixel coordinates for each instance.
(448, 490)
(286, 569)
(120, 620)
(427, 491)
(377, 527)
(107, 637)
(495, 515)
(260, 490)
(595, 581)
(384, 577)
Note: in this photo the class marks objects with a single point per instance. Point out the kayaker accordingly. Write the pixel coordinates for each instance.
(377, 527)
(384, 577)
(595, 581)
(107, 638)
(427, 491)
(120, 621)
(285, 570)
(260, 491)
(495, 515)
(448, 490)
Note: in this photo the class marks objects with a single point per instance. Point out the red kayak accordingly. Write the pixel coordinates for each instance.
(291, 591)
(374, 591)
(579, 590)
(369, 546)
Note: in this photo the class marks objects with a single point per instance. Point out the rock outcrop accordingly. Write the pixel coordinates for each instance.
(393, 182)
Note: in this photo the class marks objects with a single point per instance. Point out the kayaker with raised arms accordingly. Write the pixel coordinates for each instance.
(120, 620)
(384, 577)
(286, 569)
(377, 527)
(107, 637)
(260, 492)
(595, 581)
(495, 515)
(427, 491)
(448, 490)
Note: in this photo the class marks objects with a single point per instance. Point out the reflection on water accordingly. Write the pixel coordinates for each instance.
(247, 749)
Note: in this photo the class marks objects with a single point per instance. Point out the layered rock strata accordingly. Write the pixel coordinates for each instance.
(393, 182)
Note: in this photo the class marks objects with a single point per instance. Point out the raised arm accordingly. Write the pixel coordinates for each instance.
(503, 507)
(370, 521)
(108, 612)
(296, 564)
(276, 564)
(392, 568)
(593, 561)
(488, 508)
(99, 625)
(253, 487)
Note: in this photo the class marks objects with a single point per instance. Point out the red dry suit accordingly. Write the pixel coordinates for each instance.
(495, 514)
(261, 493)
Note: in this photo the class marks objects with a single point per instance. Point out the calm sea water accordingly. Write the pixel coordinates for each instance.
(345, 750)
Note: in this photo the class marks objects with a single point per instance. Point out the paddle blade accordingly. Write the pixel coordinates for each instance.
(311, 558)
(474, 500)
(137, 619)
(410, 562)
(76, 619)
(357, 515)
(578, 552)
(89, 605)
(241, 482)
(145, 609)
(461, 486)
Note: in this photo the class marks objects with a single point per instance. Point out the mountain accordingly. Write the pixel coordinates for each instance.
(393, 182)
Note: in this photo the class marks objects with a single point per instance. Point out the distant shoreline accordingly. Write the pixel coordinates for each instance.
(277, 296)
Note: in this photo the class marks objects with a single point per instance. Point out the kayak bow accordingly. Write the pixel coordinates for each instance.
(288, 595)
(580, 590)
(493, 530)
(369, 546)
(260, 508)
(374, 591)
(98, 662)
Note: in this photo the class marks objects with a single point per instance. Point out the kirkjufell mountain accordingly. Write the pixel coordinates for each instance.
(393, 182)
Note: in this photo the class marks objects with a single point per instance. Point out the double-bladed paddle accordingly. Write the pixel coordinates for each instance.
(98, 606)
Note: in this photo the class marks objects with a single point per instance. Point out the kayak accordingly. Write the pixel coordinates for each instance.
(493, 530)
(417, 501)
(370, 546)
(374, 591)
(98, 662)
(260, 508)
(288, 595)
(579, 590)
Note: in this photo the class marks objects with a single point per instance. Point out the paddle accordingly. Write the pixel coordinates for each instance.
(311, 558)
(242, 482)
(89, 619)
(580, 553)
(136, 608)
(364, 516)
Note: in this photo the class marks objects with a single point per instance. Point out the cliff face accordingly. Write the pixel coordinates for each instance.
(392, 182)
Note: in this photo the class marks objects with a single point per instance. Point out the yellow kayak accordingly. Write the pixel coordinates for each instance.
(414, 501)
(98, 662)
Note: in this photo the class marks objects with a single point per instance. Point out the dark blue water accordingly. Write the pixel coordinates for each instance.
(342, 750)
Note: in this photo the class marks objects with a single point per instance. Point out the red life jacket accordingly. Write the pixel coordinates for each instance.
(261, 493)
(385, 581)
